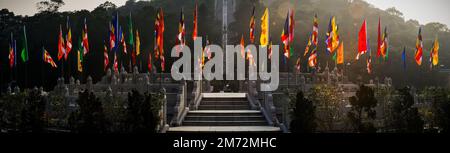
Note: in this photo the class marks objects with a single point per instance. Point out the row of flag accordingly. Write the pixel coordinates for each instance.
(334, 46)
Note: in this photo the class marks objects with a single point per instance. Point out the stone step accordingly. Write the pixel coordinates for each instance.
(224, 103)
(224, 99)
(219, 129)
(223, 107)
(224, 113)
(225, 123)
(224, 118)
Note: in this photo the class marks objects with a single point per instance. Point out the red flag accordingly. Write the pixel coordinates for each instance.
(419, 48)
(194, 33)
(362, 40)
(11, 54)
(312, 60)
(291, 26)
(106, 58)
(242, 47)
(112, 37)
(285, 37)
(181, 31)
(61, 46)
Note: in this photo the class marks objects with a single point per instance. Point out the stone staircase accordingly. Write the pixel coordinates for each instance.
(224, 112)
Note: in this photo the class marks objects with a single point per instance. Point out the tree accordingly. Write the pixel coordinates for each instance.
(49, 5)
(325, 99)
(405, 117)
(142, 114)
(89, 118)
(32, 114)
(363, 109)
(441, 105)
(303, 115)
(394, 11)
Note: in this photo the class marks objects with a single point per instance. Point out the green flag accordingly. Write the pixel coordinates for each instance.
(130, 26)
(335, 57)
(24, 53)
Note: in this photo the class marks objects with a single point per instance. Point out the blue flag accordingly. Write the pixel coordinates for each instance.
(404, 57)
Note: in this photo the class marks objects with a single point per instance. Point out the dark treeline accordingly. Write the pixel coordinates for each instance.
(43, 30)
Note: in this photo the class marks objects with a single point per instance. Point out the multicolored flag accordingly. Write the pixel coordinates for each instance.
(61, 46)
(24, 53)
(298, 64)
(434, 57)
(312, 60)
(159, 34)
(362, 40)
(308, 45)
(12, 53)
(80, 56)
(419, 48)
(384, 48)
(122, 40)
(181, 32)
(150, 63)
(291, 26)
(315, 34)
(269, 49)
(369, 59)
(332, 40)
(285, 37)
(116, 63)
(68, 39)
(207, 49)
(105, 58)
(264, 39)
(47, 58)
(194, 32)
(112, 33)
(85, 38)
(252, 26)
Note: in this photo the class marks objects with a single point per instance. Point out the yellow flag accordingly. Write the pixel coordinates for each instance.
(435, 52)
(264, 39)
(80, 67)
(340, 54)
(138, 43)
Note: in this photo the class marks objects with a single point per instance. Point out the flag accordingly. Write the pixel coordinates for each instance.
(384, 48)
(312, 60)
(24, 53)
(112, 37)
(12, 53)
(80, 56)
(269, 49)
(369, 65)
(419, 48)
(291, 26)
(285, 37)
(68, 39)
(242, 47)
(138, 43)
(106, 58)
(85, 38)
(404, 57)
(340, 54)
(332, 40)
(308, 45)
(122, 40)
(159, 34)
(264, 39)
(194, 32)
(116, 63)
(298, 64)
(130, 31)
(379, 52)
(315, 34)
(362, 41)
(61, 46)
(434, 57)
(48, 59)
(163, 64)
(252, 26)
(181, 31)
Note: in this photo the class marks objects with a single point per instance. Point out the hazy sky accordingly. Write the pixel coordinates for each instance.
(424, 11)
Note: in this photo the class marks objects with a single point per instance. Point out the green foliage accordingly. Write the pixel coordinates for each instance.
(303, 115)
(441, 105)
(143, 112)
(328, 111)
(406, 117)
(89, 118)
(362, 110)
(22, 112)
